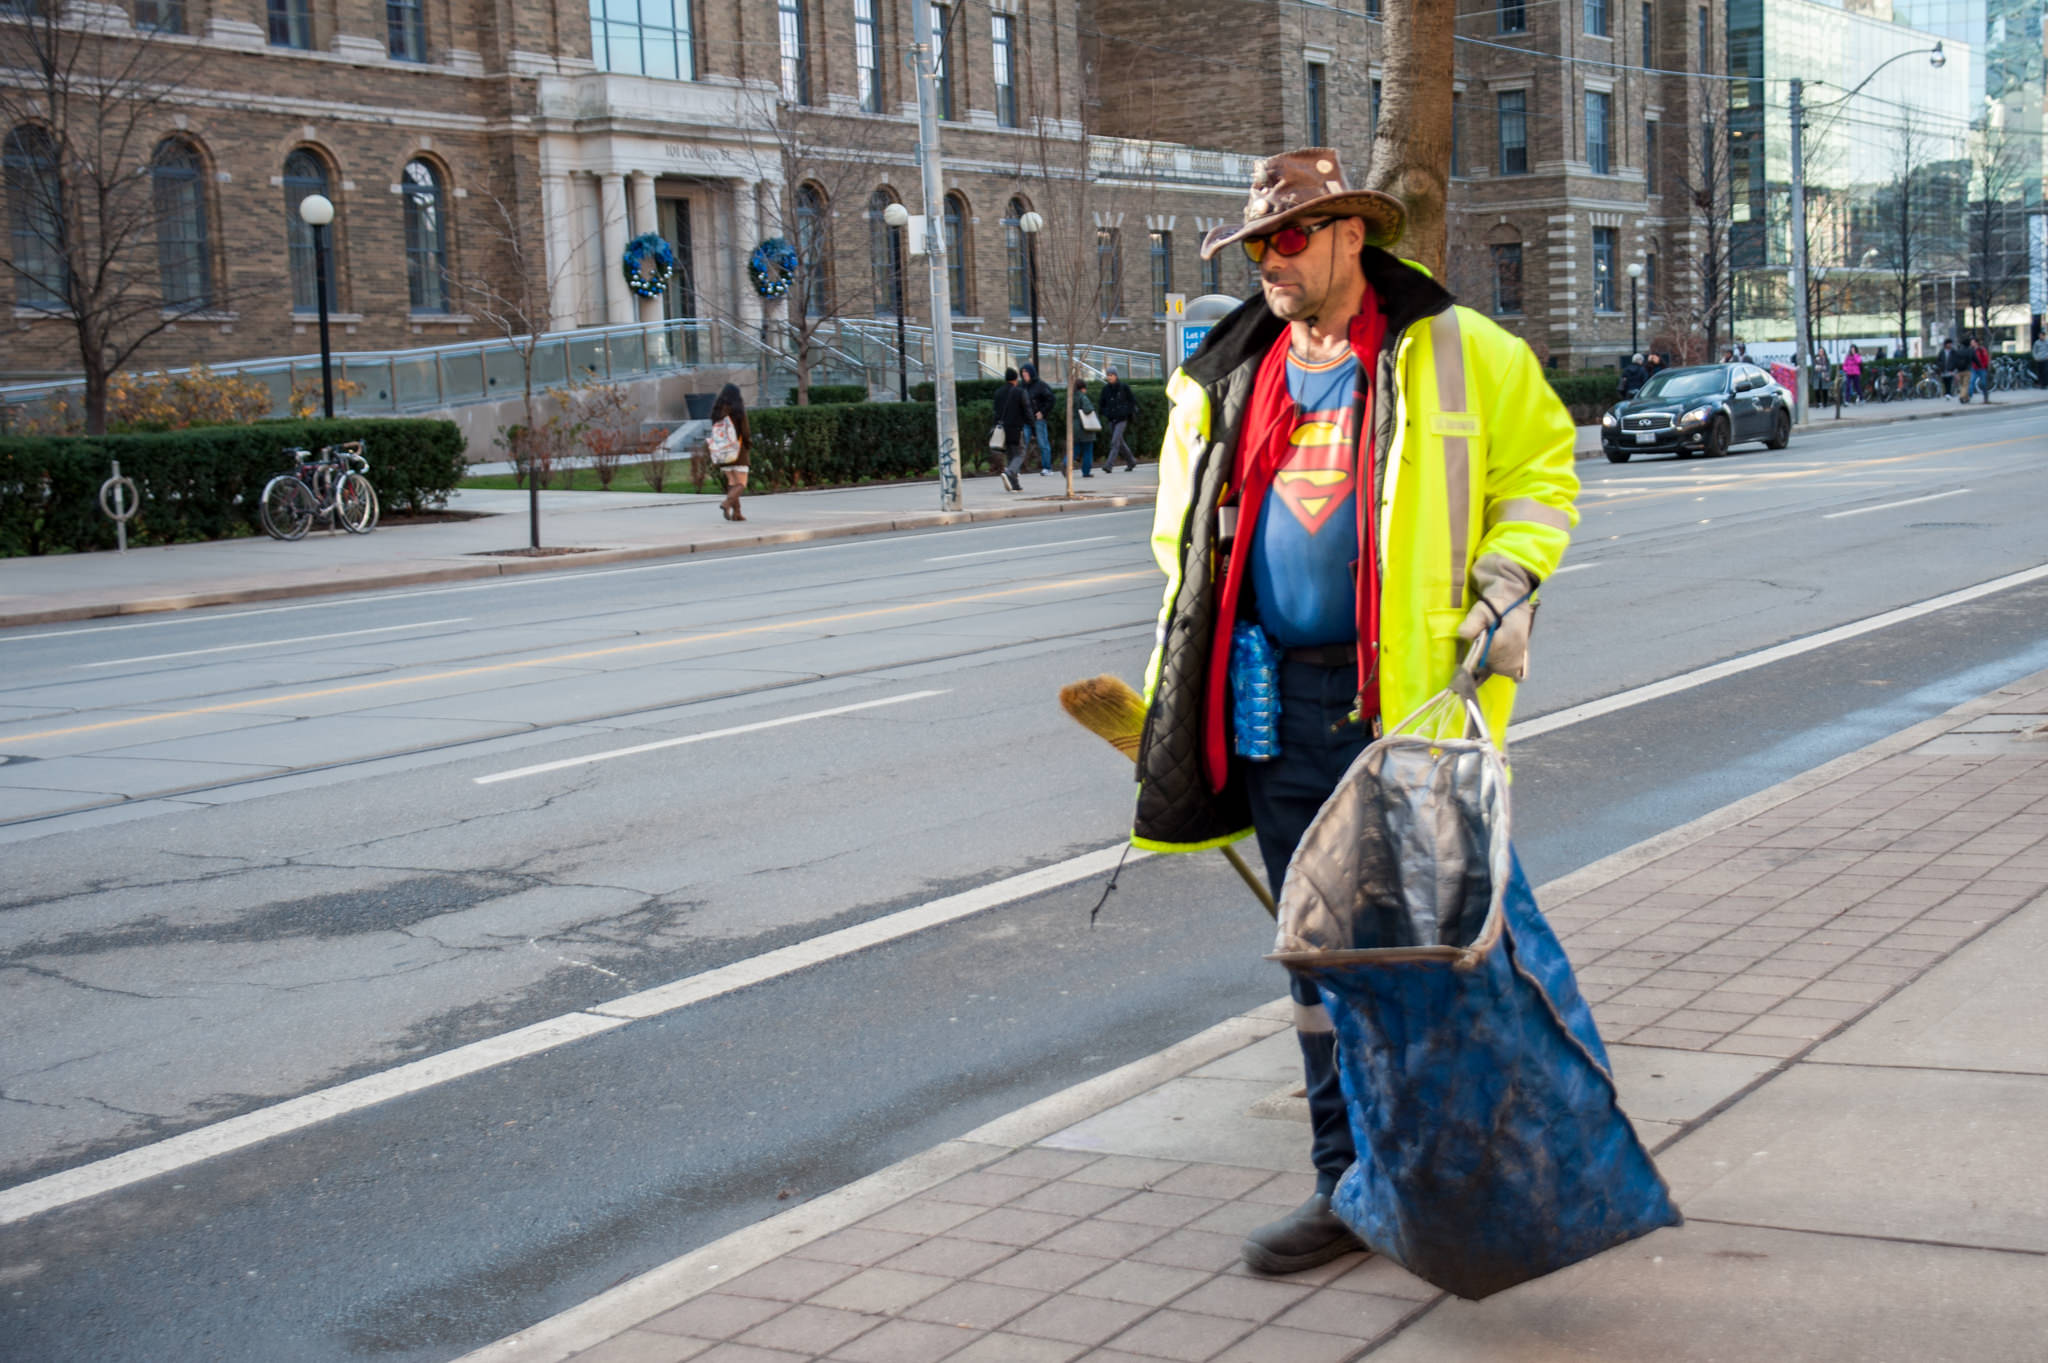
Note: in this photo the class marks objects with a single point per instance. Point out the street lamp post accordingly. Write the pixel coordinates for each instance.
(1802, 356)
(317, 211)
(928, 54)
(1635, 272)
(1031, 224)
(898, 217)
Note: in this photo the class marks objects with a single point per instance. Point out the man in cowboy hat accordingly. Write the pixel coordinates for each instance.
(1374, 479)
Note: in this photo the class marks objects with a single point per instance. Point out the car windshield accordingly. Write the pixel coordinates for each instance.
(1685, 383)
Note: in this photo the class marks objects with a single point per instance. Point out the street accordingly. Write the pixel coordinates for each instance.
(255, 853)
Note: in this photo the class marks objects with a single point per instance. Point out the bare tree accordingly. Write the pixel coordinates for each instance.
(107, 201)
(1994, 224)
(1701, 304)
(1411, 146)
(1905, 236)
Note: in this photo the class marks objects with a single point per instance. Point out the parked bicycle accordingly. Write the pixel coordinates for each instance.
(329, 487)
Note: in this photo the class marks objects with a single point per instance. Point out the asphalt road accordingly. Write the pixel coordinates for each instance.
(252, 853)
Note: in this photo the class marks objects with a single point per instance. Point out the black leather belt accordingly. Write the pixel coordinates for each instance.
(1324, 655)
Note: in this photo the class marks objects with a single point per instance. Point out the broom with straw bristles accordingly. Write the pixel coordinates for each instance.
(1108, 708)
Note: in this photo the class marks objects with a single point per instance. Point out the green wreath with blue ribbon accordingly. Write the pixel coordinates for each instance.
(649, 263)
(772, 267)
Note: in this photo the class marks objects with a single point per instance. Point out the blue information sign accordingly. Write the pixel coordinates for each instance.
(1192, 334)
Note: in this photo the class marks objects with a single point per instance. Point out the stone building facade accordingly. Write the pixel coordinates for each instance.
(457, 136)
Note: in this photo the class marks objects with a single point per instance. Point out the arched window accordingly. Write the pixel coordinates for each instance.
(956, 253)
(426, 237)
(885, 257)
(35, 221)
(1020, 260)
(183, 261)
(810, 248)
(304, 174)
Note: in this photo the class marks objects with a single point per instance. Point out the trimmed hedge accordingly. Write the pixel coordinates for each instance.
(201, 483)
(823, 394)
(970, 390)
(820, 446)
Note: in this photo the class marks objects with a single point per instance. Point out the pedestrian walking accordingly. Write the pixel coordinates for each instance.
(2041, 360)
(1086, 424)
(1038, 397)
(1652, 362)
(1275, 497)
(1852, 375)
(1633, 376)
(1980, 368)
(731, 441)
(1119, 410)
(1013, 415)
(1950, 363)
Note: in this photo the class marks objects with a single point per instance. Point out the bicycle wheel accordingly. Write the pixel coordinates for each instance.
(286, 508)
(355, 502)
(1927, 388)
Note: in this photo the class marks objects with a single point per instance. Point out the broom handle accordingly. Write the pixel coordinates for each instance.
(1250, 878)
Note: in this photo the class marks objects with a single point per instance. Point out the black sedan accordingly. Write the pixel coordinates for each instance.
(1704, 408)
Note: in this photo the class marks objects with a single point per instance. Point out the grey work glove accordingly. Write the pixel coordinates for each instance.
(1507, 606)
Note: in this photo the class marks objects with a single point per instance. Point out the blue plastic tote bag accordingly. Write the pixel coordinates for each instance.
(1491, 1149)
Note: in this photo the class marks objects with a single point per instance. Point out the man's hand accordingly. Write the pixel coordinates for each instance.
(1507, 606)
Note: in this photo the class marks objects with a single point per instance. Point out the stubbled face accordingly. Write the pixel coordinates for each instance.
(1298, 287)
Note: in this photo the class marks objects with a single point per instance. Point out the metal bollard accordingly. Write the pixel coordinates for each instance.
(119, 499)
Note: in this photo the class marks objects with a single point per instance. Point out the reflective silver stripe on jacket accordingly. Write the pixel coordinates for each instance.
(1448, 343)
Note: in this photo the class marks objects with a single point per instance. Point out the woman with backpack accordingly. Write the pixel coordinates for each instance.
(730, 442)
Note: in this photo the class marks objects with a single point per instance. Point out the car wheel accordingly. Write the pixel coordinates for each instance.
(1617, 456)
(1781, 431)
(1717, 437)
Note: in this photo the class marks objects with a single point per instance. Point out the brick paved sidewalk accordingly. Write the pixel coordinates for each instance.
(1715, 956)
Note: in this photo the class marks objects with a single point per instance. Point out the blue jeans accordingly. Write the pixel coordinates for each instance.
(1980, 382)
(1318, 741)
(1044, 439)
(1084, 455)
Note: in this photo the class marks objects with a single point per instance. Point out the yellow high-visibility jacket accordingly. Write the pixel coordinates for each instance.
(1472, 457)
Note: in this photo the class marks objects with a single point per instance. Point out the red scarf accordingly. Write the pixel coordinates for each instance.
(1269, 422)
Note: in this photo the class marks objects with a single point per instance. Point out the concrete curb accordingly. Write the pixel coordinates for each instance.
(610, 1313)
(509, 567)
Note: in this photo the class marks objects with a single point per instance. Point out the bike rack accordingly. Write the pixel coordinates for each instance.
(120, 500)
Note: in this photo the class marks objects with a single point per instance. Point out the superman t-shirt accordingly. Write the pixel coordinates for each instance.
(1306, 538)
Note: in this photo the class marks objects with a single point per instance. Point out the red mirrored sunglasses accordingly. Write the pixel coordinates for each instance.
(1290, 240)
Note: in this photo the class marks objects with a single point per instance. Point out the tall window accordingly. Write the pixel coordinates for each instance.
(796, 65)
(1457, 133)
(942, 43)
(1507, 278)
(1649, 36)
(1374, 131)
(1596, 17)
(160, 16)
(1318, 121)
(1212, 274)
(426, 237)
(1003, 37)
(1514, 16)
(305, 173)
(35, 224)
(1650, 282)
(1162, 270)
(1514, 132)
(1019, 259)
(956, 253)
(810, 247)
(1706, 46)
(1109, 271)
(183, 264)
(1599, 131)
(1603, 268)
(406, 22)
(867, 59)
(885, 257)
(1650, 157)
(291, 23)
(643, 37)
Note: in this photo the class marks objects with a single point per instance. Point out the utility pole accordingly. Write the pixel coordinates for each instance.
(1802, 341)
(925, 55)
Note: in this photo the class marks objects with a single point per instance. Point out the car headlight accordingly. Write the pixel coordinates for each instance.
(1610, 420)
(1696, 416)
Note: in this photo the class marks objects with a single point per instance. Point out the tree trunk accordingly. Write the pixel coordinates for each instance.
(1411, 148)
(95, 393)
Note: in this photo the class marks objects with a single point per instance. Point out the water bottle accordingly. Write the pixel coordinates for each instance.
(1255, 694)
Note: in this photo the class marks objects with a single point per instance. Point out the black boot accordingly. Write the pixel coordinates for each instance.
(1307, 1236)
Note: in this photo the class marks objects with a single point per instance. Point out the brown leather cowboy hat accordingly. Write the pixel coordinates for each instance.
(1309, 182)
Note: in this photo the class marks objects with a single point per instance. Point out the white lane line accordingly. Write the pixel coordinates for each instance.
(1791, 648)
(706, 736)
(704, 558)
(1020, 548)
(236, 1133)
(1575, 567)
(276, 643)
(1887, 506)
